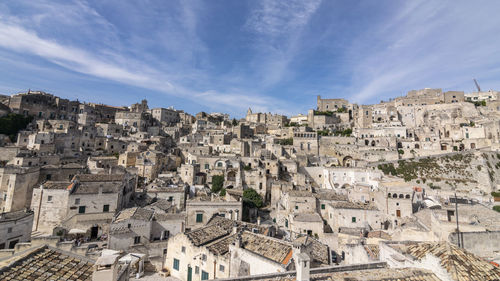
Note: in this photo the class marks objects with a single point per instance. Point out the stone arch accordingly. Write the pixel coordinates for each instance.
(346, 186)
(347, 161)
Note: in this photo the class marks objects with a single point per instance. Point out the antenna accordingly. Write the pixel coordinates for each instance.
(477, 85)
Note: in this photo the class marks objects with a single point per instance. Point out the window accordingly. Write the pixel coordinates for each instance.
(353, 219)
(296, 207)
(183, 249)
(170, 198)
(48, 177)
(176, 264)
(49, 198)
(9, 230)
(322, 206)
(204, 275)
(221, 268)
(199, 217)
(207, 166)
(77, 201)
(81, 210)
(105, 208)
(196, 270)
(137, 239)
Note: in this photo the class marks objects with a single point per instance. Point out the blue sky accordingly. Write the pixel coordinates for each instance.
(273, 56)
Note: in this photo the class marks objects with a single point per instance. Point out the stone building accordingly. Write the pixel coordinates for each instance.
(200, 210)
(144, 231)
(56, 202)
(15, 227)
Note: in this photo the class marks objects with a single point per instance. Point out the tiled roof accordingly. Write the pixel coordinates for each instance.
(271, 248)
(16, 215)
(262, 229)
(206, 234)
(221, 246)
(319, 251)
(403, 274)
(379, 234)
(56, 184)
(307, 217)
(330, 195)
(47, 263)
(384, 274)
(373, 251)
(460, 264)
(300, 193)
(134, 213)
(89, 188)
(353, 205)
(98, 177)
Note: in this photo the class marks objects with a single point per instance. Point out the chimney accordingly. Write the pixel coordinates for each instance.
(237, 241)
(302, 265)
(106, 268)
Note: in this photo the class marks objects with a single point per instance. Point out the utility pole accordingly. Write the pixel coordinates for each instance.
(456, 217)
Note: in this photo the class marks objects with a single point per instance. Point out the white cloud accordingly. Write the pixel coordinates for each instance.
(425, 44)
(278, 25)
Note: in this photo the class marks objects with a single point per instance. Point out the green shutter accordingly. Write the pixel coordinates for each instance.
(199, 217)
(176, 264)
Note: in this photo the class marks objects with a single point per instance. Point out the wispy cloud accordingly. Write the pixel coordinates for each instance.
(278, 25)
(424, 44)
(112, 64)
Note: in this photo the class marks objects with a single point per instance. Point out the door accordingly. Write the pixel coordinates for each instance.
(93, 232)
(190, 273)
(398, 213)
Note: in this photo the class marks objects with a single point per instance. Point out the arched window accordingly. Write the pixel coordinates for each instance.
(401, 196)
(407, 196)
(388, 195)
(394, 195)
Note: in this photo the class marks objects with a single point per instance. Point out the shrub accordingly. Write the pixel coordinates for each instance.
(217, 183)
(400, 151)
(496, 208)
(222, 192)
(478, 167)
(252, 198)
(323, 132)
(327, 113)
(495, 194)
(288, 141)
(12, 123)
(247, 168)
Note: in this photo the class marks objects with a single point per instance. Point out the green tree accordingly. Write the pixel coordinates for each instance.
(222, 192)
(288, 141)
(217, 183)
(12, 123)
(252, 198)
(235, 122)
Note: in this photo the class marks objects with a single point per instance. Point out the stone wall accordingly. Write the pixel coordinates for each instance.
(479, 243)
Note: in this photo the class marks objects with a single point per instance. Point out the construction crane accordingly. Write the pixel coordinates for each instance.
(477, 85)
